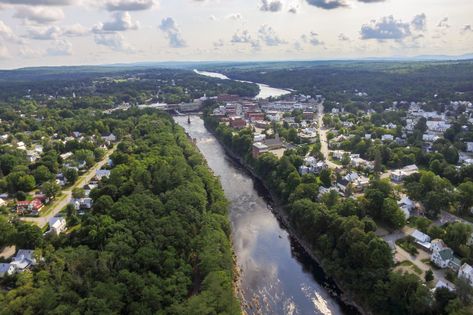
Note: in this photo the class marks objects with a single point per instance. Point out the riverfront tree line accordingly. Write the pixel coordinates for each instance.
(155, 242)
(341, 232)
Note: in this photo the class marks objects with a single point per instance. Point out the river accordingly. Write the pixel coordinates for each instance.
(277, 275)
(265, 91)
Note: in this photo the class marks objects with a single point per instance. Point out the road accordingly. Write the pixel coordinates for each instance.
(66, 195)
(323, 137)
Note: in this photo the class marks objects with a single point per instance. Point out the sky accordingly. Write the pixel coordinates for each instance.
(78, 32)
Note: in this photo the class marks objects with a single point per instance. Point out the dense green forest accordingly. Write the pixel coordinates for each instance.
(341, 232)
(383, 81)
(103, 87)
(156, 241)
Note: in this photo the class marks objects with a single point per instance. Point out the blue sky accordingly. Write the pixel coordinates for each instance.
(71, 32)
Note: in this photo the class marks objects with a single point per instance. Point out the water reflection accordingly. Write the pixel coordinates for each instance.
(277, 276)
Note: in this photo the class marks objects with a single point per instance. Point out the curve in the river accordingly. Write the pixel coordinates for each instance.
(277, 276)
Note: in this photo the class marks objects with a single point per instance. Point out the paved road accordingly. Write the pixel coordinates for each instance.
(66, 196)
(323, 137)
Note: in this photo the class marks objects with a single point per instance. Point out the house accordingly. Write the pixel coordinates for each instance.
(99, 174)
(6, 270)
(258, 137)
(469, 147)
(358, 182)
(441, 284)
(437, 245)
(2, 202)
(82, 203)
(274, 144)
(57, 225)
(445, 259)
(406, 205)
(368, 136)
(67, 155)
(29, 207)
(387, 137)
(110, 138)
(237, 123)
(258, 149)
(466, 272)
(23, 260)
(400, 174)
(421, 239)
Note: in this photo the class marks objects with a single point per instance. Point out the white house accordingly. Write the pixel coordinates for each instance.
(437, 245)
(6, 270)
(387, 137)
(99, 174)
(445, 259)
(469, 147)
(23, 260)
(57, 225)
(406, 205)
(466, 272)
(420, 237)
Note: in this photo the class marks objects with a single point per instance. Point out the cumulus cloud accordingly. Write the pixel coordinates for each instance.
(271, 5)
(114, 41)
(40, 15)
(75, 30)
(371, 1)
(244, 37)
(219, 44)
(28, 52)
(328, 4)
(387, 28)
(419, 22)
(467, 29)
(234, 16)
(61, 47)
(172, 32)
(268, 36)
(122, 21)
(312, 38)
(443, 23)
(44, 33)
(343, 38)
(129, 5)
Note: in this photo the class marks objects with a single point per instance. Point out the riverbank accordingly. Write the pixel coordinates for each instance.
(281, 215)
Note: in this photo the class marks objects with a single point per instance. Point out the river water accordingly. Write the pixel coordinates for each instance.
(277, 276)
(265, 90)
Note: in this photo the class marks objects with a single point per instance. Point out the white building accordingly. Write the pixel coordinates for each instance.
(57, 225)
(466, 272)
(6, 270)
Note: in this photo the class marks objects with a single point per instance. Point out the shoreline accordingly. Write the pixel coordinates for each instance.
(278, 211)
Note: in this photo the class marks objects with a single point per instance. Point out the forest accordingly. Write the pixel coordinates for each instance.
(384, 81)
(155, 242)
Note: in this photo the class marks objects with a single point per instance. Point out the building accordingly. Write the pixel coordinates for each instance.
(237, 123)
(258, 149)
(29, 207)
(6, 270)
(446, 259)
(406, 205)
(23, 260)
(421, 239)
(466, 272)
(469, 147)
(437, 245)
(387, 137)
(99, 174)
(57, 225)
(400, 174)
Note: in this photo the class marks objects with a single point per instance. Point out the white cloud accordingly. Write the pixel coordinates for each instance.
(343, 38)
(60, 47)
(419, 22)
(7, 34)
(44, 33)
(387, 28)
(268, 36)
(75, 30)
(40, 15)
(129, 5)
(3, 52)
(271, 5)
(122, 21)
(28, 52)
(234, 16)
(443, 23)
(173, 33)
(114, 41)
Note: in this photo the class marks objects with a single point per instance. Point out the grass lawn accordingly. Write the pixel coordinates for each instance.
(48, 208)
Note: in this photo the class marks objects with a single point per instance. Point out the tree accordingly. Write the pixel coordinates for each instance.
(345, 159)
(465, 196)
(326, 177)
(457, 234)
(464, 291)
(71, 175)
(429, 275)
(51, 189)
(42, 174)
(7, 231)
(27, 236)
(78, 193)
